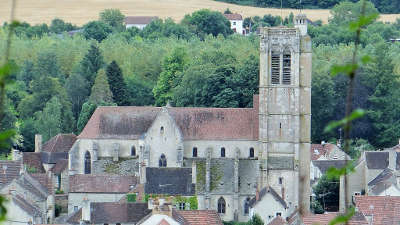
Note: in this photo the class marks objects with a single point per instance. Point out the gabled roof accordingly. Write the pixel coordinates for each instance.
(142, 20)
(197, 217)
(33, 185)
(233, 16)
(383, 176)
(45, 180)
(88, 183)
(60, 143)
(170, 181)
(324, 165)
(320, 150)
(324, 219)
(33, 160)
(9, 170)
(377, 160)
(384, 210)
(60, 166)
(131, 122)
(28, 207)
(263, 192)
(114, 212)
(278, 220)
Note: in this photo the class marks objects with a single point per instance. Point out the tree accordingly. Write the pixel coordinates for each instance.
(256, 220)
(77, 89)
(47, 65)
(90, 64)
(48, 122)
(345, 12)
(117, 84)
(86, 112)
(58, 26)
(26, 72)
(204, 21)
(28, 131)
(113, 17)
(327, 192)
(139, 91)
(96, 30)
(170, 77)
(101, 93)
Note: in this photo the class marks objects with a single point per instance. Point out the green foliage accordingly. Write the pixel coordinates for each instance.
(346, 13)
(146, 198)
(192, 201)
(91, 63)
(85, 114)
(113, 17)
(31, 169)
(77, 89)
(117, 84)
(131, 197)
(101, 93)
(48, 122)
(28, 131)
(96, 30)
(58, 209)
(255, 220)
(317, 208)
(58, 192)
(204, 22)
(327, 192)
(58, 26)
(6, 157)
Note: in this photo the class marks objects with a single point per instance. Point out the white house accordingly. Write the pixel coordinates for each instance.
(236, 23)
(268, 204)
(138, 21)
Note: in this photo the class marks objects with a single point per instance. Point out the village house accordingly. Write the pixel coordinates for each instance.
(139, 22)
(86, 188)
(232, 150)
(236, 21)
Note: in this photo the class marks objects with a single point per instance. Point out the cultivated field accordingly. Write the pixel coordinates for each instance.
(81, 11)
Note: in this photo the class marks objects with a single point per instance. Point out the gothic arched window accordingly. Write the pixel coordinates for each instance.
(246, 206)
(221, 205)
(275, 67)
(133, 151)
(88, 163)
(251, 153)
(222, 152)
(162, 162)
(286, 69)
(194, 152)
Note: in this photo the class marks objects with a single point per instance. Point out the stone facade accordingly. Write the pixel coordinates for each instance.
(232, 152)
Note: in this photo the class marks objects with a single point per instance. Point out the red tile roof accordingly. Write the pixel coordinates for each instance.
(382, 209)
(131, 122)
(197, 217)
(139, 19)
(9, 170)
(233, 16)
(87, 183)
(60, 166)
(45, 180)
(318, 150)
(60, 143)
(33, 160)
(324, 219)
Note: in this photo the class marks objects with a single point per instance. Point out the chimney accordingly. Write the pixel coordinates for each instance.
(38, 143)
(16, 155)
(257, 195)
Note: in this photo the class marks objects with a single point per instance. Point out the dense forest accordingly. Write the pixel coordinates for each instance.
(384, 6)
(63, 76)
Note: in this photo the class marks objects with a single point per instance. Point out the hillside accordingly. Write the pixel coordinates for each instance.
(81, 11)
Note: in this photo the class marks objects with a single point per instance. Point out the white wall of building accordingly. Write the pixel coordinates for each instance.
(77, 199)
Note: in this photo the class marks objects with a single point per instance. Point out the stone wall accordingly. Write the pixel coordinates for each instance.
(62, 200)
(127, 166)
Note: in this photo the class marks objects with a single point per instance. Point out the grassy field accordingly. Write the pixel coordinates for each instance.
(81, 11)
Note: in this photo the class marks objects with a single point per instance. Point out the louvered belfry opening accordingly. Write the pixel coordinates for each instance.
(275, 67)
(286, 76)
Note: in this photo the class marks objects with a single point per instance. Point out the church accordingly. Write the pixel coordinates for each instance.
(233, 153)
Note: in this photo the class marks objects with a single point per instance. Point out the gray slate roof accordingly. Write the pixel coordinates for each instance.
(324, 165)
(377, 160)
(28, 207)
(170, 181)
(115, 212)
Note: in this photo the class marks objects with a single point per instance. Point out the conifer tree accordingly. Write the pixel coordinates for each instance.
(101, 92)
(117, 84)
(48, 122)
(91, 63)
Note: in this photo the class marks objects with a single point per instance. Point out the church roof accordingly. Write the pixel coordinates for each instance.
(170, 181)
(131, 122)
(60, 143)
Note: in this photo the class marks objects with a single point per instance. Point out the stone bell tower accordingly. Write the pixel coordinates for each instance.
(285, 112)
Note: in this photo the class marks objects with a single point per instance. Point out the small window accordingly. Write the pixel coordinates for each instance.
(275, 67)
(75, 208)
(246, 206)
(251, 152)
(222, 152)
(162, 130)
(181, 206)
(88, 163)
(194, 152)
(280, 180)
(233, 23)
(133, 151)
(221, 205)
(278, 214)
(162, 162)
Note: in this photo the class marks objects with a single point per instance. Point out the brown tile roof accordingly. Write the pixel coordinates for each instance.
(139, 19)
(197, 217)
(131, 122)
(75, 217)
(87, 183)
(9, 170)
(324, 219)
(278, 220)
(115, 212)
(33, 160)
(233, 16)
(44, 180)
(318, 150)
(28, 207)
(382, 209)
(60, 143)
(60, 166)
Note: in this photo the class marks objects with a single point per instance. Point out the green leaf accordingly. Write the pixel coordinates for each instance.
(336, 173)
(366, 59)
(342, 219)
(346, 69)
(7, 69)
(363, 21)
(5, 136)
(354, 115)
